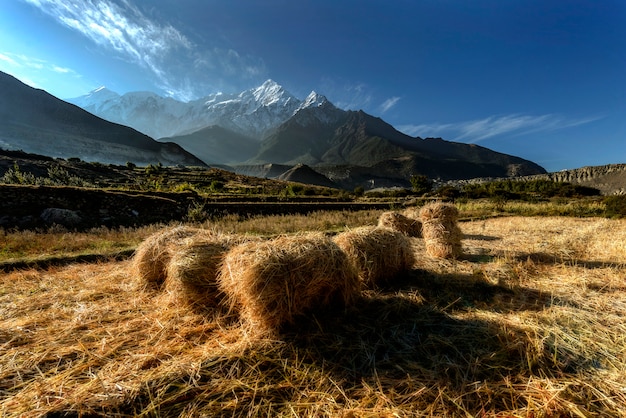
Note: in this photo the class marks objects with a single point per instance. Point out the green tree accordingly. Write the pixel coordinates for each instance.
(420, 184)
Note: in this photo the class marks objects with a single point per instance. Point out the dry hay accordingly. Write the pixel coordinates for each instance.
(442, 236)
(192, 272)
(379, 254)
(149, 263)
(274, 282)
(412, 212)
(445, 212)
(400, 223)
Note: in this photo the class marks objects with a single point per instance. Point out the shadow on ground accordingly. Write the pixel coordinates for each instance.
(428, 337)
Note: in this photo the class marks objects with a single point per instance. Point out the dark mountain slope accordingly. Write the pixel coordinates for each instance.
(35, 121)
(217, 145)
(359, 140)
(302, 173)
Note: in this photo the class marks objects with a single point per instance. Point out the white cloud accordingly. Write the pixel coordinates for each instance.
(8, 60)
(426, 130)
(61, 70)
(512, 125)
(388, 104)
(122, 28)
(31, 63)
(159, 47)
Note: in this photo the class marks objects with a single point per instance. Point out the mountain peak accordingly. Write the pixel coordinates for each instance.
(94, 98)
(102, 90)
(270, 83)
(314, 100)
(271, 92)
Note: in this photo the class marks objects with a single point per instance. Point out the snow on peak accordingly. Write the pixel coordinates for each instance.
(314, 100)
(101, 92)
(271, 92)
(94, 98)
(251, 112)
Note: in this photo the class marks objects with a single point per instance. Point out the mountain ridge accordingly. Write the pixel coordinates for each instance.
(256, 110)
(313, 131)
(35, 121)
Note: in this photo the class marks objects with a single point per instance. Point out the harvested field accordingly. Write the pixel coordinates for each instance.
(529, 321)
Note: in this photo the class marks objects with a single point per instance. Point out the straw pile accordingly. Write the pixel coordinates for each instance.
(192, 271)
(274, 282)
(412, 212)
(149, 263)
(400, 223)
(442, 236)
(379, 254)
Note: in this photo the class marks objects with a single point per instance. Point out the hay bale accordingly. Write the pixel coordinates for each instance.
(412, 212)
(274, 282)
(400, 223)
(150, 260)
(442, 236)
(445, 212)
(192, 271)
(379, 254)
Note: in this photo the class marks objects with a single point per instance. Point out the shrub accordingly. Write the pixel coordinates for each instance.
(615, 206)
(448, 193)
(420, 184)
(216, 186)
(15, 176)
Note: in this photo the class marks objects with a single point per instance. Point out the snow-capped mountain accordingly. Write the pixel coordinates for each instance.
(251, 112)
(268, 125)
(34, 121)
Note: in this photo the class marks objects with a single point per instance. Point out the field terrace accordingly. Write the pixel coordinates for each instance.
(529, 322)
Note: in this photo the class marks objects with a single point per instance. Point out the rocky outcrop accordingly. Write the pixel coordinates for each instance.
(610, 179)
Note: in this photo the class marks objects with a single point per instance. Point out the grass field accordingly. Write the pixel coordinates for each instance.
(530, 322)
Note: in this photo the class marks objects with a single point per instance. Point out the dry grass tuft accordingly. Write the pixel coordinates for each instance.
(379, 254)
(149, 263)
(400, 223)
(442, 235)
(274, 282)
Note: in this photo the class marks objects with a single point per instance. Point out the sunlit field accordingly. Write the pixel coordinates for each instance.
(529, 322)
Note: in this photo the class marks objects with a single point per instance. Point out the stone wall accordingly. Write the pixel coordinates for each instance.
(80, 208)
(23, 206)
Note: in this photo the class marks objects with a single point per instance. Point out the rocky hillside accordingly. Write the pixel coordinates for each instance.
(37, 122)
(609, 179)
(356, 149)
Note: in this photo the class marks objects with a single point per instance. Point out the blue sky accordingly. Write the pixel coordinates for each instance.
(543, 80)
